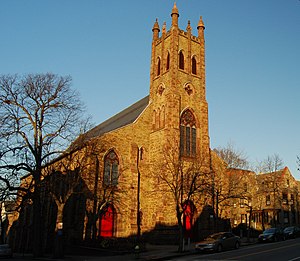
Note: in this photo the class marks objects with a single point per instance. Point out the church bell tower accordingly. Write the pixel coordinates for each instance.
(177, 87)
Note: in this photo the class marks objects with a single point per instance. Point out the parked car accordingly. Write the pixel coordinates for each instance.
(218, 242)
(5, 251)
(291, 232)
(271, 235)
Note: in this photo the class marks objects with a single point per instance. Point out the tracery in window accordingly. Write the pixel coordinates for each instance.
(111, 169)
(160, 89)
(187, 134)
(194, 65)
(189, 89)
(181, 60)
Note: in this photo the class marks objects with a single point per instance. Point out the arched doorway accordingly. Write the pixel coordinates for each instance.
(107, 221)
(188, 218)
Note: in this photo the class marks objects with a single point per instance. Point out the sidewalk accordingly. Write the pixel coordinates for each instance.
(152, 252)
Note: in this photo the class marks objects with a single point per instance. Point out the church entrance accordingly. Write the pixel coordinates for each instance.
(188, 218)
(107, 222)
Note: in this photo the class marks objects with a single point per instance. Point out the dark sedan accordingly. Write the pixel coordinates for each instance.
(271, 235)
(218, 242)
(291, 232)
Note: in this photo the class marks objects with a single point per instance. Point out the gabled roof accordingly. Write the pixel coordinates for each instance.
(121, 119)
(231, 171)
(275, 174)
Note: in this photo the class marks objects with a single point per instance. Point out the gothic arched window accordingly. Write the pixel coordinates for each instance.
(111, 169)
(158, 118)
(168, 62)
(154, 120)
(162, 117)
(181, 60)
(194, 65)
(187, 134)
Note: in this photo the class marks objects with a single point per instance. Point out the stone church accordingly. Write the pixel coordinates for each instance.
(124, 154)
(111, 181)
(133, 141)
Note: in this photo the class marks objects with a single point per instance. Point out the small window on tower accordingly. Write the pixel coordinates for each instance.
(158, 66)
(181, 60)
(168, 62)
(194, 66)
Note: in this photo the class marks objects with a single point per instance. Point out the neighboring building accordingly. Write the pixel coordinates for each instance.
(242, 188)
(277, 200)
(7, 217)
(268, 200)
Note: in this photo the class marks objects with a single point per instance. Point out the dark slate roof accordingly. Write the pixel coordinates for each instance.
(123, 118)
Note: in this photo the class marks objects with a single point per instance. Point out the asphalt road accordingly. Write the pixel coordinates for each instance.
(288, 250)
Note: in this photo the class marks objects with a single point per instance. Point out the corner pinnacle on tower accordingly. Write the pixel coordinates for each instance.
(175, 15)
(200, 28)
(155, 30)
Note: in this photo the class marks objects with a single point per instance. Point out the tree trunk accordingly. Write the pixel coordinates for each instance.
(263, 220)
(59, 216)
(249, 225)
(58, 244)
(94, 226)
(216, 225)
(37, 228)
(180, 228)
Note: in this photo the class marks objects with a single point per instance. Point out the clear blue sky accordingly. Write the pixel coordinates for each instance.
(252, 60)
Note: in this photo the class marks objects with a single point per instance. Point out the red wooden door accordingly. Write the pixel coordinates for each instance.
(107, 223)
(188, 218)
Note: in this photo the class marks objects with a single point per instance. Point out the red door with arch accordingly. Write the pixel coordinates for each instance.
(188, 215)
(107, 222)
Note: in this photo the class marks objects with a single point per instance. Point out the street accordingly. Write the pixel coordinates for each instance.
(288, 250)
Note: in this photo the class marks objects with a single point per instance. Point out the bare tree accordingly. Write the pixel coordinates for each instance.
(271, 164)
(227, 179)
(184, 180)
(39, 115)
(233, 157)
